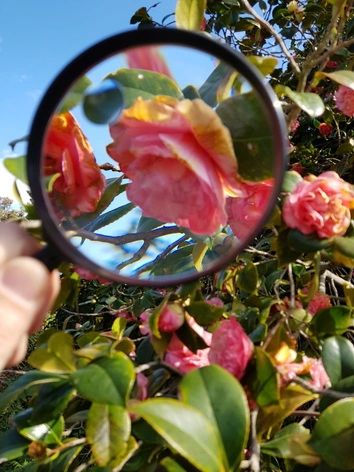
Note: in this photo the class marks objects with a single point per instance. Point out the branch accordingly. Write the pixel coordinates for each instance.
(327, 393)
(267, 26)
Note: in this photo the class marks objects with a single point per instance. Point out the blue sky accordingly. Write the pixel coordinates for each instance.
(37, 39)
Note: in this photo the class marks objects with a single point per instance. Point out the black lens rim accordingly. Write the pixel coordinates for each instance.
(114, 45)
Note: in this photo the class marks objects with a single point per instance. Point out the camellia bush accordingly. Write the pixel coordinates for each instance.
(251, 368)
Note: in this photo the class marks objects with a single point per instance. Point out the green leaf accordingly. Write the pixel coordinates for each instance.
(338, 358)
(345, 385)
(203, 389)
(65, 459)
(311, 103)
(51, 401)
(247, 278)
(344, 246)
(285, 253)
(107, 432)
(12, 445)
(332, 321)
(145, 84)
(279, 446)
(204, 313)
(147, 224)
(19, 386)
(245, 118)
(109, 217)
(75, 94)
(102, 104)
(115, 377)
(290, 181)
(265, 65)
(292, 397)
(343, 77)
(171, 466)
(198, 253)
(218, 85)
(333, 434)
(17, 167)
(306, 242)
(58, 356)
(190, 13)
(118, 327)
(186, 430)
(266, 384)
(49, 433)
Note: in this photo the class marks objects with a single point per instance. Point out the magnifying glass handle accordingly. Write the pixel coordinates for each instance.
(49, 256)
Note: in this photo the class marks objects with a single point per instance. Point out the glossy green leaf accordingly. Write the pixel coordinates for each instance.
(266, 383)
(57, 356)
(309, 102)
(333, 434)
(75, 94)
(344, 246)
(203, 389)
(19, 386)
(17, 167)
(265, 64)
(332, 321)
(12, 445)
(338, 358)
(204, 313)
(109, 217)
(190, 13)
(218, 85)
(52, 401)
(251, 135)
(290, 181)
(49, 433)
(102, 104)
(65, 459)
(171, 466)
(292, 397)
(186, 430)
(115, 377)
(145, 84)
(344, 386)
(247, 278)
(306, 242)
(107, 432)
(279, 446)
(118, 327)
(342, 77)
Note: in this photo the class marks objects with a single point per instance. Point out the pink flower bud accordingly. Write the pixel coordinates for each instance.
(325, 129)
(319, 302)
(171, 318)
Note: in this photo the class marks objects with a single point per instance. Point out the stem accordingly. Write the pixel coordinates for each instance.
(267, 26)
(292, 286)
(327, 393)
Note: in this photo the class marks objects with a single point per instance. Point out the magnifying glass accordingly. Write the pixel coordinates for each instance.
(155, 157)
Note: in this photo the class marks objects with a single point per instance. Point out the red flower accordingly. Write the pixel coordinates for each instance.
(331, 65)
(77, 181)
(319, 302)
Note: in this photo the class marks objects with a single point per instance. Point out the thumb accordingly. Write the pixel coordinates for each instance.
(25, 286)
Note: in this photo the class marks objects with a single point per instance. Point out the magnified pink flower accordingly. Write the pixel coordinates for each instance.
(245, 211)
(320, 205)
(147, 58)
(180, 160)
(309, 366)
(77, 181)
(344, 98)
(230, 347)
(318, 302)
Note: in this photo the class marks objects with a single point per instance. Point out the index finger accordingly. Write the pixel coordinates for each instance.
(15, 241)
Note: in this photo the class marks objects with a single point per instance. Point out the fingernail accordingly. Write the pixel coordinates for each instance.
(24, 278)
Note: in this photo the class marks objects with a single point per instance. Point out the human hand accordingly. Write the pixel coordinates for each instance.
(27, 291)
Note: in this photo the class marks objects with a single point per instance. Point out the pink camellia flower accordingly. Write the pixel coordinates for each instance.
(78, 182)
(180, 159)
(244, 212)
(171, 318)
(215, 301)
(230, 347)
(309, 366)
(344, 98)
(320, 205)
(318, 302)
(87, 275)
(181, 358)
(147, 58)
